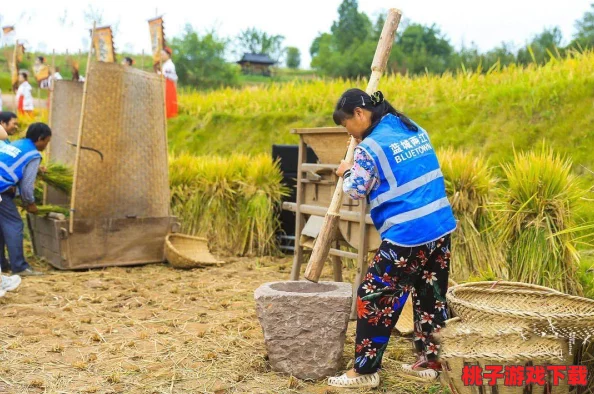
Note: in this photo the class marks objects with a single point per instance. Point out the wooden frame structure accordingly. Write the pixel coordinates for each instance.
(328, 143)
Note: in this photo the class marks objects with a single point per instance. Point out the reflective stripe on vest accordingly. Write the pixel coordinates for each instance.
(395, 190)
(415, 213)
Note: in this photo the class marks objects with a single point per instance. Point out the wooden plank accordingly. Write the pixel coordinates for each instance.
(342, 253)
(320, 130)
(337, 252)
(318, 194)
(318, 167)
(321, 211)
(350, 230)
(46, 239)
(336, 268)
(117, 242)
(102, 242)
(322, 182)
(299, 218)
(361, 257)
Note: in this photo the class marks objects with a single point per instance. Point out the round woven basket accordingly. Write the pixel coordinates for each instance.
(185, 251)
(485, 328)
(508, 349)
(544, 311)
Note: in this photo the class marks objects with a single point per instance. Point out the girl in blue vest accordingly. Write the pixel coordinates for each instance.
(397, 171)
(19, 163)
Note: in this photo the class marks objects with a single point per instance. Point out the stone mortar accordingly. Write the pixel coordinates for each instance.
(304, 325)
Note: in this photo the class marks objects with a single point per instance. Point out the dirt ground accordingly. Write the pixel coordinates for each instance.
(155, 329)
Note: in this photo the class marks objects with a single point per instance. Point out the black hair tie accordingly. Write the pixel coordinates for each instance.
(377, 98)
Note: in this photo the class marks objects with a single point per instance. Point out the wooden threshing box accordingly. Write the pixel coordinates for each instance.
(315, 187)
(122, 204)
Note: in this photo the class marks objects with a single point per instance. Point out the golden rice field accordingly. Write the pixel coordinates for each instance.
(489, 113)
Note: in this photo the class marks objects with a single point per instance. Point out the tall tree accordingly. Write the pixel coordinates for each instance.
(351, 26)
(540, 46)
(252, 40)
(293, 57)
(424, 48)
(343, 52)
(584, 35)
(200, 60)
(504, 54)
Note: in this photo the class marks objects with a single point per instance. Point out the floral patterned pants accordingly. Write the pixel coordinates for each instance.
(395, 272)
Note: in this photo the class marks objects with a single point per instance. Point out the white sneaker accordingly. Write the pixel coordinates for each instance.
(425, 374)
(370, 380)
(10, 283)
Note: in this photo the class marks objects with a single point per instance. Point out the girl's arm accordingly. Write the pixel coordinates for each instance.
(362, 177)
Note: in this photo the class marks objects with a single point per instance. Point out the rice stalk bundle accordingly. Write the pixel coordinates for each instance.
(470, 186)
(58, 176)
(232, 201)
(537, 220)
(43, 210)
(262, 191)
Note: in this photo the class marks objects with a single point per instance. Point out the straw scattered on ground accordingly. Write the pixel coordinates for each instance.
(154, 329)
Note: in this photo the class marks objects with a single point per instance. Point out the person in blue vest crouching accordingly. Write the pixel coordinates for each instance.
(396, 170)
(19, 163)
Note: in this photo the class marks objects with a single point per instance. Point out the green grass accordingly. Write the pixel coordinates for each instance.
(5, 82)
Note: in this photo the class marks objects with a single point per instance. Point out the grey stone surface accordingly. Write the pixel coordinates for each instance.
(304, 325)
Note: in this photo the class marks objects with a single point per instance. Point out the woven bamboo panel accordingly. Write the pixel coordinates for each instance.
(66, 105)
(124, 120)
(65, 119)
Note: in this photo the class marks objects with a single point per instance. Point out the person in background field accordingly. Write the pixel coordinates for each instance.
(56, 76)
(38, 68)
(76, 76)
(170, 83)
(24, 95)
(397, 170)
(128, 61)
(19, 165)
(10, 124)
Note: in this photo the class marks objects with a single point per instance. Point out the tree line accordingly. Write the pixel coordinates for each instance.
(345, 51)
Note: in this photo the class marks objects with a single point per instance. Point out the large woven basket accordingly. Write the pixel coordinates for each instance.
(538, 309)
(508, 349)
(185, 251)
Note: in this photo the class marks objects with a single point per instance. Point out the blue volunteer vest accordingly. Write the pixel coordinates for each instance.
(410, 206)
(13, 159)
